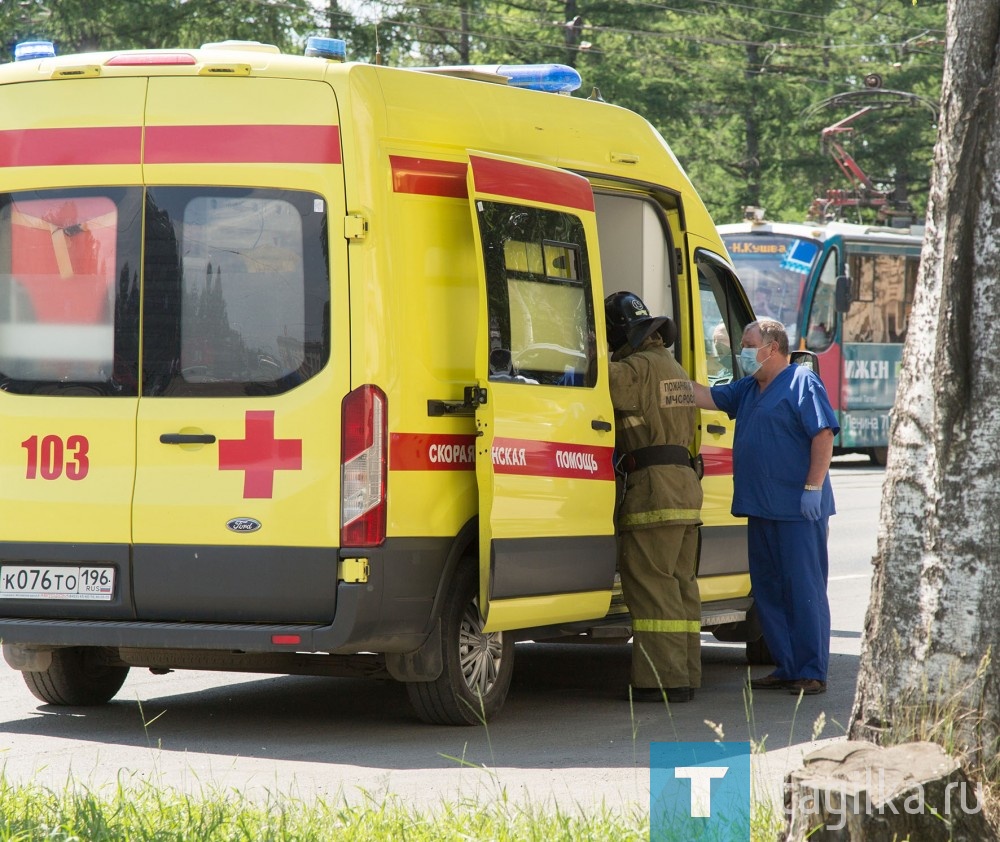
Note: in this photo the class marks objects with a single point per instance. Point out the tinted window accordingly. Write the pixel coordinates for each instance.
(69, 296)
(883, 286)
(822, 321)
(773, 269)
(236, 291)
(538, 296)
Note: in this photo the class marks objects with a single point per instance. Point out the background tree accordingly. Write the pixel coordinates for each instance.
(733, 87)
(83, 25)
(932, 625)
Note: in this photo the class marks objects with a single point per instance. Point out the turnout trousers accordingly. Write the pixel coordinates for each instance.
(788, 574)
(658, 567)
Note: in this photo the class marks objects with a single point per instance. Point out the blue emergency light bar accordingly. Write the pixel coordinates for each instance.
(27, 50)
(552, 78)
(334, 49)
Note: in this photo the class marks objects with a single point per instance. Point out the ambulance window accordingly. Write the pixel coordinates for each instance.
(538, 294)
(69, 294)
(724, 315)
(237, 291)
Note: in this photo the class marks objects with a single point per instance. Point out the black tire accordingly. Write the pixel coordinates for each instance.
(757, 652)
(477, 666)
(879, 456)
(77, 676)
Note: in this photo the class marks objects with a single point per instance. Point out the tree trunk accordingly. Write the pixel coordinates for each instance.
(465, 38)
(934, 616)
(752, 156)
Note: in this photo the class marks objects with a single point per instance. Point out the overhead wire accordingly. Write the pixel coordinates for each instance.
(758, 14)
(683, 15)
(484, 36)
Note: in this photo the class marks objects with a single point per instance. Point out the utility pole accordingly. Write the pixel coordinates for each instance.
(464, 46)
(574, 28)
(333, 18)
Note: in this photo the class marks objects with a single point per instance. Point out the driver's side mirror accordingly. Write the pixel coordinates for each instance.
(842, 296)
(806, 359)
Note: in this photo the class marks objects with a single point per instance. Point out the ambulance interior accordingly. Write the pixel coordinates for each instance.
(635, 250)
(544, 335)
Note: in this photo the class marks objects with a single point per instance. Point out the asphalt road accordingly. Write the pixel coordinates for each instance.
(565, 735)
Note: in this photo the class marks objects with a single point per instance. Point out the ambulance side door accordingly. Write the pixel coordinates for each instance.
(70, 244)
(235, 511)
(544, 418)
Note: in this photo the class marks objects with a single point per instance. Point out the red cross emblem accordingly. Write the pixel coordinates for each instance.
(260, 454)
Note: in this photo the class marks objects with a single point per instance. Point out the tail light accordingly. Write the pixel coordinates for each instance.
(363, 468)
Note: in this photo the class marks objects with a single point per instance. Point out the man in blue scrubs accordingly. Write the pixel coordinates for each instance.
(781, 460)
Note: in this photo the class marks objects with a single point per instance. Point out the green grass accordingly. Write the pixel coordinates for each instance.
(145, 813)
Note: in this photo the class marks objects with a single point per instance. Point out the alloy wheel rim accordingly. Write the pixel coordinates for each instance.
(480, 653)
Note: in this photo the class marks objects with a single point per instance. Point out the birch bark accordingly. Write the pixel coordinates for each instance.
(934, 617)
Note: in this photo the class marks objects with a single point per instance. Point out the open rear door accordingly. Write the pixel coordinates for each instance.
(544, 417)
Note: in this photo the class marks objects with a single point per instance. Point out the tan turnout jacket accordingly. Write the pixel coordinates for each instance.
(654, 404)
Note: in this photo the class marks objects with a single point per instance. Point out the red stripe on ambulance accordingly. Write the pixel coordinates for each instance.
(243, 144)
(246, 144)
(553, 459)
(429, 177)
(71, 147)
(430, 452)
(533, 184)
(718, 461)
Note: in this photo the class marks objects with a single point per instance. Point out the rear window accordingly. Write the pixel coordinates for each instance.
(234, 291)
(69, 269)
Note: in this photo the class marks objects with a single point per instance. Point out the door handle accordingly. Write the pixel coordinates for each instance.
(603, 426)
(184, 438)
(718, 429)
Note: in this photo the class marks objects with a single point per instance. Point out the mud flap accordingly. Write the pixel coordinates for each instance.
(423, 664)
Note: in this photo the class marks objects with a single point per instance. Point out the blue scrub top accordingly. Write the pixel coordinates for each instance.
(774, 433)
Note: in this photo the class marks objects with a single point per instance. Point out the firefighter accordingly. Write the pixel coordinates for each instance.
(659, 516)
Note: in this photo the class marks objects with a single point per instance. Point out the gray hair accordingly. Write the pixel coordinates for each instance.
(771, 330)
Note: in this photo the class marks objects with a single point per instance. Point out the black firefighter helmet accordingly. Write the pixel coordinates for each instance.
(629, 322)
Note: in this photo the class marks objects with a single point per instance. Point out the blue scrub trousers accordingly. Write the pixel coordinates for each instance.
(788, 574)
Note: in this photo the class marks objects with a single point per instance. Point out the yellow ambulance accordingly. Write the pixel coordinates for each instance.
(303, 369)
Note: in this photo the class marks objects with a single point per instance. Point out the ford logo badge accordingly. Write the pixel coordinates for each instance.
(243, 524)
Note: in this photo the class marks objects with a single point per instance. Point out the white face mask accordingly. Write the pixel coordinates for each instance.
(749, 361)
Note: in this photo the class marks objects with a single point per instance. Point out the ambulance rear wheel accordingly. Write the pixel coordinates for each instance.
(476, 665)
(78, 675)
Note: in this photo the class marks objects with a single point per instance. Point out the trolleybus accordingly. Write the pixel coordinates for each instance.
(843, 291)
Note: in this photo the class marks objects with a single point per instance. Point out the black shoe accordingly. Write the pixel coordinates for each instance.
(655, 694)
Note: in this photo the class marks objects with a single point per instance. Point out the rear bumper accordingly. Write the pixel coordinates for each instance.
(390, 612)
(348, 633)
